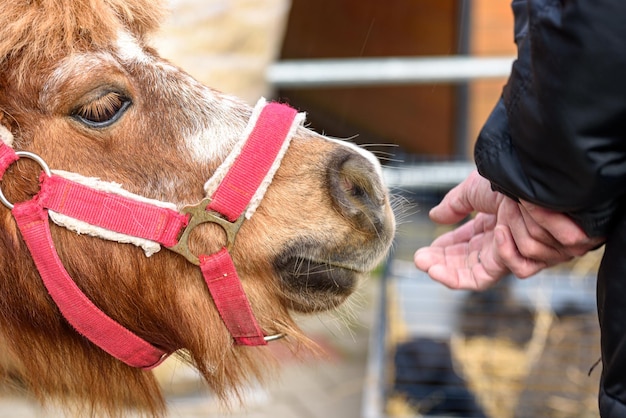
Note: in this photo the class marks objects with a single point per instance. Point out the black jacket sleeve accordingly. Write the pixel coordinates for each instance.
(557, 137)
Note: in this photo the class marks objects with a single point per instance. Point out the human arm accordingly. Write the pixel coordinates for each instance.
(557, 136)
(505, 236)
(555, 144)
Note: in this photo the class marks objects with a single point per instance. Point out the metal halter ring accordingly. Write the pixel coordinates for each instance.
(30, 156)
(199, 215)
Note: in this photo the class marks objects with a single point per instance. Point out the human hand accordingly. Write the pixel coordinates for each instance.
(504, 237)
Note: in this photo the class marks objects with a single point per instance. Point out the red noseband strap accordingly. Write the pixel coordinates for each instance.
(257, 157)
(251, 171)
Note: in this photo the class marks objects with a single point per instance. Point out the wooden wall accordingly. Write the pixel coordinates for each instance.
(491, 33)
(420, 118)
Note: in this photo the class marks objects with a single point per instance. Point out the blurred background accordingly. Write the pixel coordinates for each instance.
(413, 81)
(242, 47)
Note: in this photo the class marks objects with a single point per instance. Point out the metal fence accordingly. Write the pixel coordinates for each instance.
(522, 349)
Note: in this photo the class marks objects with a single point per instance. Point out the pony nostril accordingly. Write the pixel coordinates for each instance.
(349, 187)
(356, 187)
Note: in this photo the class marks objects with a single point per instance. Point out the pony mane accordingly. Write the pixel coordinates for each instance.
(36, 31)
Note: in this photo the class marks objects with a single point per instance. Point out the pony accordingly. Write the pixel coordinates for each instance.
(89, 110)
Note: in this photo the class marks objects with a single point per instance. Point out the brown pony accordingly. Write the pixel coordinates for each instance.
(80, 87)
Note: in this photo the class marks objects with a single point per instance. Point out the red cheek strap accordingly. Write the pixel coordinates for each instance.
(75, 306)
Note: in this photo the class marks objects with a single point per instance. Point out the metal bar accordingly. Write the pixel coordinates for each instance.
(375, 385)
(427, 176)
(385, 71)
(462, 90)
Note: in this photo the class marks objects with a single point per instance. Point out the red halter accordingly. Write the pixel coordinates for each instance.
(252, 167)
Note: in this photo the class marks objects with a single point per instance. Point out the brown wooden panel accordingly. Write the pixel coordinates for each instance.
(491, 26)
(420, 118)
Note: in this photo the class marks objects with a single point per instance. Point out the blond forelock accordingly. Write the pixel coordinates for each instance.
(34, 32)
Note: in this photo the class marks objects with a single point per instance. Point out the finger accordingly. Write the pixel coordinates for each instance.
(427, 257)
(464, 233)
(473, 194)
(453, 256)
(453, 208)
(535, 229)
(472, 276)
(509, 255)
(456, 271)
(489, 268)
(531, 240)
(460, 266)
(447, 276)
(561, 227)
(444, 264)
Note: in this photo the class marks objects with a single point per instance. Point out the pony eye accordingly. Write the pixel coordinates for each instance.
(103, 111)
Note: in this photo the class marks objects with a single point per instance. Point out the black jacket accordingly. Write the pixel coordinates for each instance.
(558, 135)
(557, 138)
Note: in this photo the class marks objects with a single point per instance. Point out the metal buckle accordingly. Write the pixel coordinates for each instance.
(200, 215)
(30, 156)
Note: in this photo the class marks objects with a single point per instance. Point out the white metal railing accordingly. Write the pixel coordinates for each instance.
(427, 176)
(385, 71)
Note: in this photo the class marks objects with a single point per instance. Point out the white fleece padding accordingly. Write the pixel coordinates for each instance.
(6, 136)
(111, 187)
(212, 184)
(258, 196)
(220, 173)
(149, 247)
(83, 228)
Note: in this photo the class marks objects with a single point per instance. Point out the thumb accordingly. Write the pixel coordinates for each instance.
(473, 194)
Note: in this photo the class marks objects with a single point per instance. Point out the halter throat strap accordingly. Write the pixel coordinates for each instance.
(237, 195)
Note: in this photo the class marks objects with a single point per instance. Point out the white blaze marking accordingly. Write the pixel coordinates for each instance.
(215, 124)
(129, 49)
